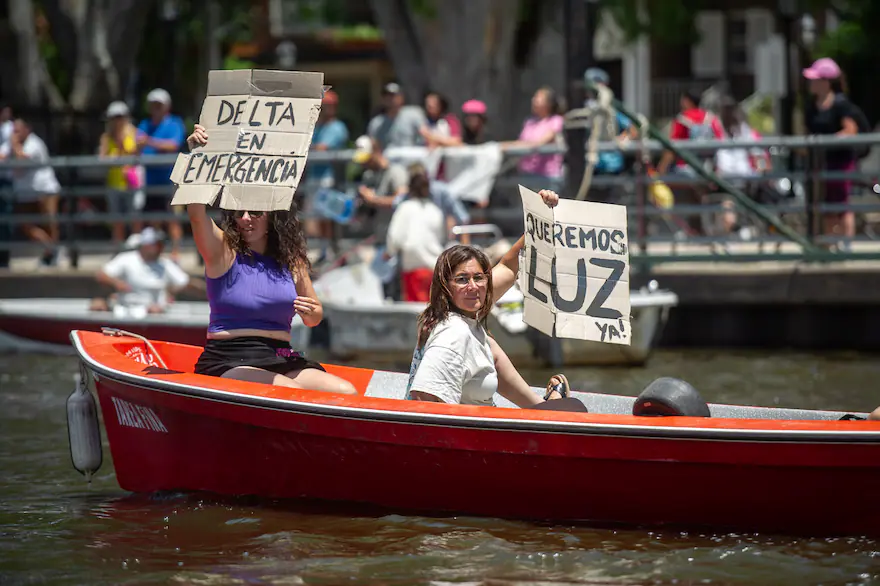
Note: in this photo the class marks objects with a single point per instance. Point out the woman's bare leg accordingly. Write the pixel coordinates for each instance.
(307, 378)
(33, 231)
(49, 207)
(312, 378)
(849, 224)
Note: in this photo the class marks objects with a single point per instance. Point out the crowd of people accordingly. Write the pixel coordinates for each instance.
(257, 268)
(384, 184)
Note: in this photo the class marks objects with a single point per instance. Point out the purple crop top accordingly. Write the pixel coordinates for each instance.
(255, 293)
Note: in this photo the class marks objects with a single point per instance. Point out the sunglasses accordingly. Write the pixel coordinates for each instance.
(240, 214)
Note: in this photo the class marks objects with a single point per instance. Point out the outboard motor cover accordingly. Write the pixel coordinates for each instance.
(668, 396)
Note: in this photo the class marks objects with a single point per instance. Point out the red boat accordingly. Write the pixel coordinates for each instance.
(743, 468)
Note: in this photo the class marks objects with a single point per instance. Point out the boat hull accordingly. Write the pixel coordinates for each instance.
(171, 430)
(232, 449)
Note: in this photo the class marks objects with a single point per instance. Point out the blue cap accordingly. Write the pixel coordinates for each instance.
(596, 75)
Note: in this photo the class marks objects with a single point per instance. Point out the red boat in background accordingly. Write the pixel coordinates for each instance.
(743, 468)
(44, 324)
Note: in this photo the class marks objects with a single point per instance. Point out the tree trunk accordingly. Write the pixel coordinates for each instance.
(97, 42)
(29, 66)
(463, 49)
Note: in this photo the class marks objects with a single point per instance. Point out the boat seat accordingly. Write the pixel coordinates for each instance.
(392, 385)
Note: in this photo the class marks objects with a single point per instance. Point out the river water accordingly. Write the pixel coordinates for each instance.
(55, 529)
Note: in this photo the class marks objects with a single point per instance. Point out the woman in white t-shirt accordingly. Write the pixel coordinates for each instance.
(456, 360)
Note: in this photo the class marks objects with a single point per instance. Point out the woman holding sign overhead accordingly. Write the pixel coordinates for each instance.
(257, 275)
(456, 360)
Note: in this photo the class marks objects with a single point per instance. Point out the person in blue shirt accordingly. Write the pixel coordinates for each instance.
(330, 134)
(161, 133)
(609, 162)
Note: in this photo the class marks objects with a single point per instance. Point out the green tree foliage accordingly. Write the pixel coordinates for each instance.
(855, 45)
(667, 21)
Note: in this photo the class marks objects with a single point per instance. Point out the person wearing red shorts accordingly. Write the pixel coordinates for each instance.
(418, 233)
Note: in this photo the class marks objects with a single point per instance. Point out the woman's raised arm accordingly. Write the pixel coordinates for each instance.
(206, 233)
(504, 273)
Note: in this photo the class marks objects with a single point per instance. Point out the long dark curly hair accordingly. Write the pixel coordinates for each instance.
(286, 243)
(441, 296)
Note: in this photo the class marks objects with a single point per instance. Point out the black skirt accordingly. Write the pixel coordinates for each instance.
(269, 354)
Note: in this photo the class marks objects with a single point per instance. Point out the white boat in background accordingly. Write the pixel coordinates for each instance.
(364, 326)
(44, 324)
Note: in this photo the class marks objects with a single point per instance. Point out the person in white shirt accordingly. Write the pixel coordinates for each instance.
(6, 195)
(36, 188)
(7, 127)
(142, 278)
(418, 233)
(456, 361)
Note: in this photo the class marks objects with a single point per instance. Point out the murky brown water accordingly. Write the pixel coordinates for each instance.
(54, 529)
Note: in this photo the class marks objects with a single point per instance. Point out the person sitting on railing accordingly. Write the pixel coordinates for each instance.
(257, 272)
(120, 140)
(37, 190)
(456, 361)
(831, 112)
(544, 127)
(442, 127)
(609, 163)
(142, 278)
(473, 127)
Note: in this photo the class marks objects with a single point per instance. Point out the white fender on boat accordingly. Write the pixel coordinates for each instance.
(83, 429)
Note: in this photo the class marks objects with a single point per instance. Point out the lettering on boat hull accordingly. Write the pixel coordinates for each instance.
(137, 416)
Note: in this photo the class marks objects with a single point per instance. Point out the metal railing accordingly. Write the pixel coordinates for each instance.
(657, 234)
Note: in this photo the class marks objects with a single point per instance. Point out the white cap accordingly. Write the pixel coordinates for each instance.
(150, 236)
(363, 149)
(159, 95)
(133, 241)
(117, 108)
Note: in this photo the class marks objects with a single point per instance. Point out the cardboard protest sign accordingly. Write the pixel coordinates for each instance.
(574, 269)
(259, 126)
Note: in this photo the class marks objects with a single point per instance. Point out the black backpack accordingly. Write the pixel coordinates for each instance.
(861, 121)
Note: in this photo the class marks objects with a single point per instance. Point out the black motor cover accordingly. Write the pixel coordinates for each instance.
(668, 396)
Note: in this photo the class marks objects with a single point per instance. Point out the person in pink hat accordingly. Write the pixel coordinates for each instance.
(831, 112)
(475, 121)
(473, 129)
